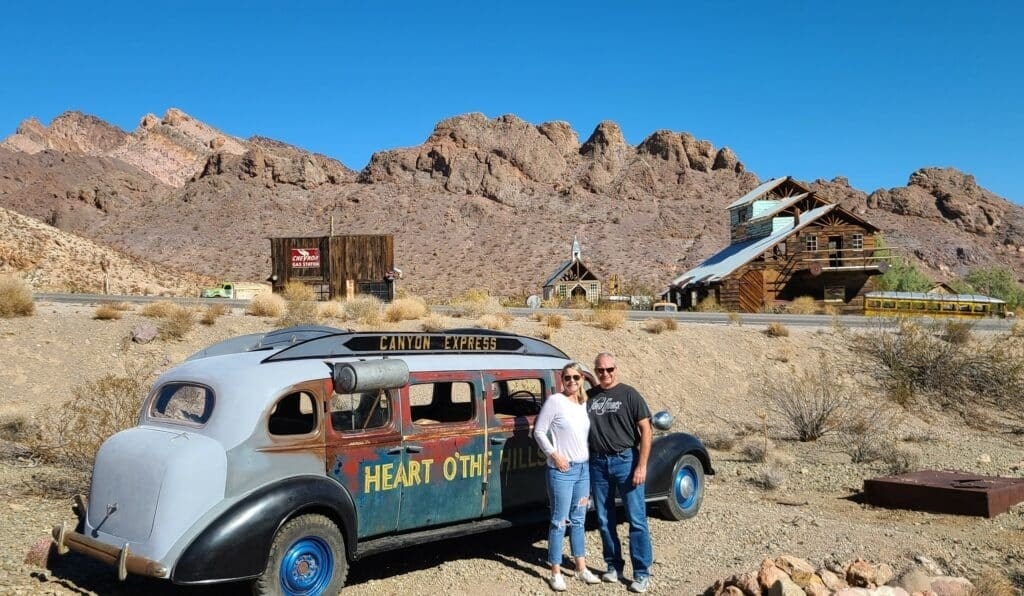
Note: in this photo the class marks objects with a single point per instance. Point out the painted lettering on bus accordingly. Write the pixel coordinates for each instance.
(382, 477)
(405, 343)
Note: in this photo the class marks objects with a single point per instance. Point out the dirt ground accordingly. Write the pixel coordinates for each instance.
(708, 376)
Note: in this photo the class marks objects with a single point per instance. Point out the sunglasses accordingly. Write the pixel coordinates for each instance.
(608, 370)
(568, 378)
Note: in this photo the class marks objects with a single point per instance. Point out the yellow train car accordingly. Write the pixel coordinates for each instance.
(907, 304)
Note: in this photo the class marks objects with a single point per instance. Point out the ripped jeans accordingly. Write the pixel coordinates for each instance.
(568, 494)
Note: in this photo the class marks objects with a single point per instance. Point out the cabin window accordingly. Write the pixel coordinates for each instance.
(918, 305)
(356, 412)
(902, 305)
(888, 304)
(965, 308)
(182, 403)
(873, 303)
(514, 398)
(934, 306)
(949, 306)
(835, 293)
(811, 243)
(593, 288)
(441, 403)
(979, 308)
(562, 291)
(293, 414)
(857, 242)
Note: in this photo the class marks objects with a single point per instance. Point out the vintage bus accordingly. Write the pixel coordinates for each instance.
(900, 304)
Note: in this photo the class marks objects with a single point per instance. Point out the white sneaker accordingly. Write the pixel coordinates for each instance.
(640, 585)
(587, 576)
(557, 582)
(611, 576)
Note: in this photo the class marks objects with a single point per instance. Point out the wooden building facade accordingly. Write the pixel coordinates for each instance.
(573, 281)
(786, 242)
(336, 266)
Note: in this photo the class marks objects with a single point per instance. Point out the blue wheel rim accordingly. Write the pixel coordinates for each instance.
(307, 567)
(686, 487)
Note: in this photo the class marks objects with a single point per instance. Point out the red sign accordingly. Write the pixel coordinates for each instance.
(305, 258)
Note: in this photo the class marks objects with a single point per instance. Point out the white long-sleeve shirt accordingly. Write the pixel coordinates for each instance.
(562, 427)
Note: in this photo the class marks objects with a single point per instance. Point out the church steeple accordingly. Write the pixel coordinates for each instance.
(575, 249)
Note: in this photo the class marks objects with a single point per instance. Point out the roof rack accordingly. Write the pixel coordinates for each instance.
(452, 341)
(265, 341)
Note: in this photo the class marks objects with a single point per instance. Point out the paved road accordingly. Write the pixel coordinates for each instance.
(712, 318)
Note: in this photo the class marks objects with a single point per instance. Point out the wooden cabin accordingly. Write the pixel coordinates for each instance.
(336, 266)
(573, 280)
(785, 242)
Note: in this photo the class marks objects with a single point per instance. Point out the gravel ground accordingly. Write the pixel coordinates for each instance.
(706, 375)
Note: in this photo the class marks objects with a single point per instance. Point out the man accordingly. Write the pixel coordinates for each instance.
(620, 443)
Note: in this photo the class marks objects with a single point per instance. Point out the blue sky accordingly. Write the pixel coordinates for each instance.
(816, 89)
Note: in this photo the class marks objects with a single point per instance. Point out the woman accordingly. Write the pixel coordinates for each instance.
(561, 431)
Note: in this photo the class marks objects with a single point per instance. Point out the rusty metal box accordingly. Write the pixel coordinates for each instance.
(945, 491)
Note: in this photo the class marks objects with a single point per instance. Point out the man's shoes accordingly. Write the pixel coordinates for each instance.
(587, 576)
(611, 576)
(557, 582)
(640, 585)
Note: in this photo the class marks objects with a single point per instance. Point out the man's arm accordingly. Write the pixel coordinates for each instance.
(640, 473)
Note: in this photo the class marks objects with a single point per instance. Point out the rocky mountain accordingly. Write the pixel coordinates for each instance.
(486, 203)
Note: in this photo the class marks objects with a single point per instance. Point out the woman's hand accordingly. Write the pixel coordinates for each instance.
(561, 462)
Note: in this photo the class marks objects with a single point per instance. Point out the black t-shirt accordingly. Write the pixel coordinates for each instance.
(614, 414)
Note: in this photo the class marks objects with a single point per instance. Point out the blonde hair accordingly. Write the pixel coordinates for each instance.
(581, 395)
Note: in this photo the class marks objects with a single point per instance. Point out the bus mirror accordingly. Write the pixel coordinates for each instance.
(369, 375)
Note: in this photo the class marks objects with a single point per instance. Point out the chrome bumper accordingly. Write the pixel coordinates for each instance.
(120, 558)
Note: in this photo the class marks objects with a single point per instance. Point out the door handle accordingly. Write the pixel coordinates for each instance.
(413, 448)
(394, 450)
(498, 440)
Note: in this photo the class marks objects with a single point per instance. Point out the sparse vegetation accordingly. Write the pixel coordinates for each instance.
(957, 332)
(654, 326)
(901, 459)
(721, 440)
(772, 477)
(708, 304)
(365, 309)
(756, 449)
(409, 308)
(107, 312)
(993, 583)
(734, 319)
(296, 291)
(176, 324)
(554, 321)
(802, 305)
(266, 305)
(609, 319)
(496, 321)
(15, 428)
(475, 303)
(159, 309)
(331, 309)
(15, 297)
(434, 323)
(214, 312)
(810, 403)
(776, 330)
(671, 324)
(546, 333)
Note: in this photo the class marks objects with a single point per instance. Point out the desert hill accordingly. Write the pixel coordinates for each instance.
(488, 203)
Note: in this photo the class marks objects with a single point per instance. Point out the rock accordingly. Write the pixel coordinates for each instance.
(41, 553)
(733, 591)
(768, 574)
(144, 333)
(861, 573)
(831, 580)
(785, 587)
(984, 458)
(789, 564)
(853, 592)
(929, 566)
(952, 586)
(914, 580)
(809, 582)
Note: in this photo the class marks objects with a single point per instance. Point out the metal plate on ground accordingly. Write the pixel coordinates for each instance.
(945, 491)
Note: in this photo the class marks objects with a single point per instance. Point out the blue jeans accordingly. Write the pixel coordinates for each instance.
(611, 474)
(568, 493)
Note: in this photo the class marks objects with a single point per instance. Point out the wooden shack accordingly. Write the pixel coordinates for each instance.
(785, 242)
(336, 266)
(573, 280)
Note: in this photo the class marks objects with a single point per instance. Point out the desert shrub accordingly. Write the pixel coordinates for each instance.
(609, 319)
(708, 304)
(15, 297)
(552, 302)
(364, 308)
(870, 431)
(496, 321)
(176, 324)
(15, 428)
(99, 408)
(536, 316)
(331, 309)
(554, 321)
(721, 440)
(1017, 330)
(771, 478)
(299, 312)
(107, 312)
(546, 333)
(213, 312)
(654, 326)
(296, 291)
(671, 324)
(810, 403)
(409, 308)
(513, 301)
(993, 583)
(266, 305)
(734, 319)
(159, 309)
(913, 363)
(776, 330)
(802, 305)
(433, 323)
(900, 459)
(957, 332)
(582, 316)
(756, 449)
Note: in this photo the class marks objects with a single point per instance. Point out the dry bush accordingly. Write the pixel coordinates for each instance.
(364, 308)
(913, 363)
(771, 478)
(546, 333)
(296, 291)
(720, 440)
(434, 323)
(757, 449)
(475, 304)
(107, 312)
(331, 309)
(122, 306)
(802, 305)
(159, 309)
(993, 583)
(609, 319)
(409, 308)
(655, 326)
(497, 321)
(582, 316)
(871, 431)
(776, 330)
(266, 305)
(15, 428)
(957, 332)
(73, 433)
(811, 403)
(900, 459)
(176, 324)
(536, 316)
(15, 297)
(734, 319)
(708, 304)
(304, 312)
(554, 321)
(552, 302)
(213, 312)
(671, 324)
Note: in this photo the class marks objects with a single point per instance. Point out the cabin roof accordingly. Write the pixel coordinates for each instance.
(565, 267)
(763, 189)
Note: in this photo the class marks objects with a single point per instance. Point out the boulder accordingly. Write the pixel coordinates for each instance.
(945, 585)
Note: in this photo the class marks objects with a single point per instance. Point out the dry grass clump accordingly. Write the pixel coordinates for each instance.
(266, 305)
(654, 326)
(771, 478)
(802, 305)
(720, 440)
(958, 332)
(734, 319)
(302, 312)
(546, 333)
(15, 428)
(366, 309)
(536, 316)
(708, 304)
(901, 459)
(609, 320)
(434, 323)
(776, 330)
(496, 321)
(296, 291)
(993, 583)
(671, 324)
(331, 309)
(213, 312)
(582, 316)
(72, 434)
(812, 403)
(107, 312)
(176, 324)
(475, 303)
(159, 309)
(554, 321)
(15, 297)
(552, 302)
(409, 308)
(757, 449)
